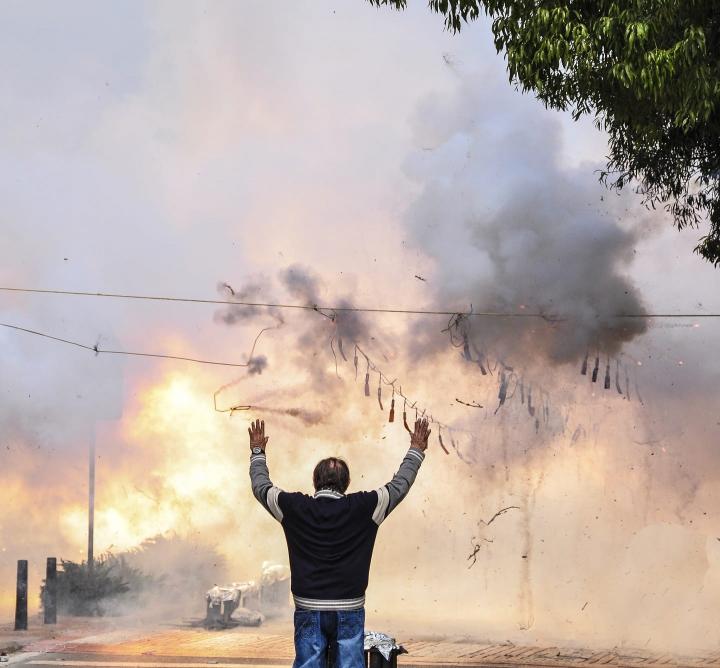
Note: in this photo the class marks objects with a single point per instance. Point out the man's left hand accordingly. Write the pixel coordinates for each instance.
(257, 435)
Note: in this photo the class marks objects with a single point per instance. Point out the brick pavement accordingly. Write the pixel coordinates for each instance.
(274, 646)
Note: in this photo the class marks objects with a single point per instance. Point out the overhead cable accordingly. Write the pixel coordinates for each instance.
(105, 351)
(340, 309)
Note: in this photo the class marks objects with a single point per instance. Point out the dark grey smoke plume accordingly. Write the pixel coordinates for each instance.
(255, 291)
(512, 229)
(319, 341)
(257, 364)
(305, 287)
(315, 329)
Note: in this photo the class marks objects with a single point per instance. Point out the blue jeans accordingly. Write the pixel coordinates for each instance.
(342, 631)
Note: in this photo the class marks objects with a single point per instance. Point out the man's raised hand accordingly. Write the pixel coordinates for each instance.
(257, 435)
(419, 438)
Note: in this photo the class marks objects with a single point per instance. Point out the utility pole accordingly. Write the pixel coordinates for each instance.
(91, 503)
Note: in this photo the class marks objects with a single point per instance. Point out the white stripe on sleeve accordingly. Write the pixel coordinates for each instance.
(382, 505)
(272, 502)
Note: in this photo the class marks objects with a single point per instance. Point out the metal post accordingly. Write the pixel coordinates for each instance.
(50, 601)
(91, 504)
(21, 616)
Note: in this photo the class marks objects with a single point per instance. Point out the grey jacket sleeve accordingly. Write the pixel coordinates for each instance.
(263, 489)
(390, 495)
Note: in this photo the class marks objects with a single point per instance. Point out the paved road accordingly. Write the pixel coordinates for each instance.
(96, 660)
(262, 648)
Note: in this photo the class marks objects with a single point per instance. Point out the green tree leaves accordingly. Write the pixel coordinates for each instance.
(648, 71)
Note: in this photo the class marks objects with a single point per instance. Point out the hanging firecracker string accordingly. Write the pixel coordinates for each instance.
(355, 362)
(420, 412)
(608, 374)
(405, 424)
(459, 330)
(391, 417)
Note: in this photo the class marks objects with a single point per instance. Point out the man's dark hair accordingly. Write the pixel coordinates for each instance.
(331, 473)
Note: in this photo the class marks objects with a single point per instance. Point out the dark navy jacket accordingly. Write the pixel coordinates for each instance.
(330, 536)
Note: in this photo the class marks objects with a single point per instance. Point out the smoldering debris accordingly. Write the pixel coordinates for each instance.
(477, 546)
(248, 603)
(500, 512)
(470, 404)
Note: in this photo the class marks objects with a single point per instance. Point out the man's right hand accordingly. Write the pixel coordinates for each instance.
(419, 438)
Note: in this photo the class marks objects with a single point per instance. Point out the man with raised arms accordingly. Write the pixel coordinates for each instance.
(330, 538)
